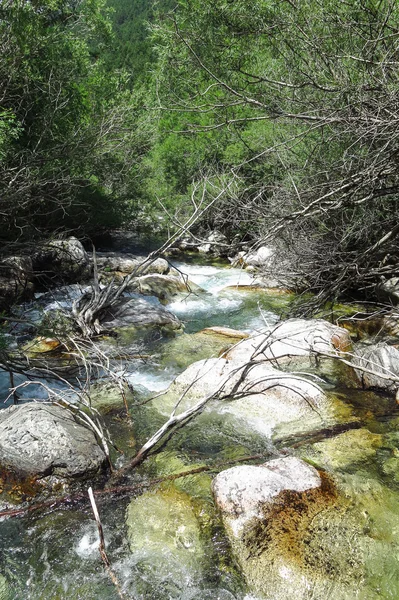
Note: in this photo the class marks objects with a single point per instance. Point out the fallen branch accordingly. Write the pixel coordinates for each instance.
(122, 490)
(102, 550)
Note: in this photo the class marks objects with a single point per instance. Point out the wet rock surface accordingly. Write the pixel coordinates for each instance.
(164, 287)
(126, 264)
(332, 537)
(245, 492)
(257, 399)
(292, 339)
(164, 526)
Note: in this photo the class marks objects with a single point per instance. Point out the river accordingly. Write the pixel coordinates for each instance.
(53, 554)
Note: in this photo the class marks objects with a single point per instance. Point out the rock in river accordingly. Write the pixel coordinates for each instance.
(62, 260)
(291, 534)
(126, 264)
(253, 400)
(137, 313)
(244, 492)
(41, 439)
(298, 338)
(382, 361)
(165, 540)
(164, 287)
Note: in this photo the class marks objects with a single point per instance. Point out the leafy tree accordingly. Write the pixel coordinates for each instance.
(65, 132)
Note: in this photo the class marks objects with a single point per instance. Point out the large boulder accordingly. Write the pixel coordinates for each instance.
(381, 362)
(253, 399)
(295, 536)
(115, 264)
(41, 439)
(294, 338)
(138, 313)
(62, 261)
(246, 492)
(164, 287)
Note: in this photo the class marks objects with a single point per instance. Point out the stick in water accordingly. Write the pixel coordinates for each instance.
(103, 553)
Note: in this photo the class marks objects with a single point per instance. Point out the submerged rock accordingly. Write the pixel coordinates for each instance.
(41, 439)
(349, 448)
(106, 396)
(383, 360)
(138, 313)
(165, 540)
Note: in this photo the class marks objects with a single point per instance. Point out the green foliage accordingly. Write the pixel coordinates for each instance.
(66, 135)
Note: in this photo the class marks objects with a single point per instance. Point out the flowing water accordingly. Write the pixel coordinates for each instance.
(174, 546)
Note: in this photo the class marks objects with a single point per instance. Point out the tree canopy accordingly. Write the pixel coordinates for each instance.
(285, 111)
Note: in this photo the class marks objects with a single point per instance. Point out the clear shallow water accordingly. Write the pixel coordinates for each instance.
(53, 555)
(224, 304)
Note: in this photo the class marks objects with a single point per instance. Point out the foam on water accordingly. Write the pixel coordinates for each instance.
(193, 305)
(214, 279)
(151, 379)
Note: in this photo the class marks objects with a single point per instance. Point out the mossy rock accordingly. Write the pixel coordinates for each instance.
(165, 540)
(391, 468)
(352, 447)
(107, 396)
(197, 485)
(185, 349)
(5, 591)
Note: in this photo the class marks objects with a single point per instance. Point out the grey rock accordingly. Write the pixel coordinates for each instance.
(62, 260)
(136, 312)
(15, 280)
(127, 264)
(260, 258)
(388, 290)
(292, 338)
(382, 359)
(164, 287)
(40, 439)
(216, 243)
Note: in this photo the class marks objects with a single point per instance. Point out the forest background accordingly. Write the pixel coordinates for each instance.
(281, 116)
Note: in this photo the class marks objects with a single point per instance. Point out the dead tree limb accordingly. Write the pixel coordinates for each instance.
(103, 553)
